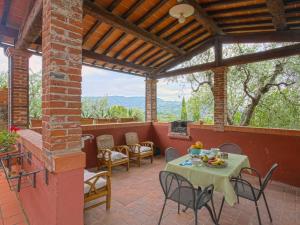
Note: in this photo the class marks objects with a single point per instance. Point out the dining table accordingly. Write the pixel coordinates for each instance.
(202, 175)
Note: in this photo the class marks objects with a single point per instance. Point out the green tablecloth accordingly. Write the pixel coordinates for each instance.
(219, 177)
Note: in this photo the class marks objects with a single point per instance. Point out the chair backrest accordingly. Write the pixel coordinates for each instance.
(131, 138)
(105, 141)
(205, 196)
(177, 188)
(171, 154)
(230, 148)
(268, 176)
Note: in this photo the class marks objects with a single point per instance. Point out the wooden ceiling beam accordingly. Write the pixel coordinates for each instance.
(110, 60)
(5, 12)
(135, 51)
(203, 18)
(102, 39)
(91, 31)
(132, 8)
(114, 5)
(150, 12)
(201, 48)
(101, 13)
(237, 60)
(125, 47)
(261, 37)
(276, 9)
(9, 32)
(31, 27)
(115, 43)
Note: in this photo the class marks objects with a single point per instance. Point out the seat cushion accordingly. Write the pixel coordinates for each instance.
(114, 155)
(101, 182)
(142, 149)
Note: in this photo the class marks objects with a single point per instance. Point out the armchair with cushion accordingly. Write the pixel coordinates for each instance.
(139, 150)
(110, 155)
(96, 187)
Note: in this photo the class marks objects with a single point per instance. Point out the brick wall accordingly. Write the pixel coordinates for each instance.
(18, 111)
(220, 97)
(151, 100)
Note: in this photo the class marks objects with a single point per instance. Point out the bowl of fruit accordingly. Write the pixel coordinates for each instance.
(214, 162)
(195, 149)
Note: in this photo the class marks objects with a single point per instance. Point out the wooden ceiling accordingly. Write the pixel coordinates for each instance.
(140, 37)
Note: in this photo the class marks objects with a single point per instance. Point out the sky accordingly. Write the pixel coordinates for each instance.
(98, 82)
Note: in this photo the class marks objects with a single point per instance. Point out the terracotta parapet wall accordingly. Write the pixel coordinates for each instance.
(32, 141)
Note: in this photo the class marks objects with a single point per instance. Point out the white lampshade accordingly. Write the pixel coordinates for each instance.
(181, 12)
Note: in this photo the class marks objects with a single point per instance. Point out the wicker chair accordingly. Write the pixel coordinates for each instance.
(110, 155)
(139, 150)
(96, 187)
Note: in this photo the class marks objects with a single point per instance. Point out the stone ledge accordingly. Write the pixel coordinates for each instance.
(113, 125)
(179, 136)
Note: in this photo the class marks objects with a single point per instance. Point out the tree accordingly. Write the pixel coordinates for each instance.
(193, 108)
(183, 110)
(249, 85)
(3, 79)
(35, 95)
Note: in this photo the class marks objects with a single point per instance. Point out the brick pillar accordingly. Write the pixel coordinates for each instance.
(61, 107)
(18, 86)
(220, 97)
(151, 100)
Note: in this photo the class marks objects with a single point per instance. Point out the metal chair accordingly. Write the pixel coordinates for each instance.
(245, 189)
(171, 154)
(181, 191)
(231, 148)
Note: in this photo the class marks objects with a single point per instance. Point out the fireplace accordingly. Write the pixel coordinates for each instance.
(179, 129)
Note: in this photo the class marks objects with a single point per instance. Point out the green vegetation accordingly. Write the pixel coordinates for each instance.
(264, 94)
(183, 110)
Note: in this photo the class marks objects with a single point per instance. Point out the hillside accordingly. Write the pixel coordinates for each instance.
(172, 107)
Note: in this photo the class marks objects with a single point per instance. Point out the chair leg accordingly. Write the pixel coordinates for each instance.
(108, 200)
(257, 211)
(212, 215)
(196, 217)
(178, 208)
(139, 161)
(221, 208)
(263, 194)
(151, 159)
(162, 211)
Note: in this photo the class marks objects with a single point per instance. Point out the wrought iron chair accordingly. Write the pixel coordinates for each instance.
(110, 155)
(96, 186)
(231, 148)
(171, 154)
(181, 191)
(139, 150)
(245, 189)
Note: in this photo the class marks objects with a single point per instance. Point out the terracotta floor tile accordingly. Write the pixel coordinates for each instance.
(137, 199)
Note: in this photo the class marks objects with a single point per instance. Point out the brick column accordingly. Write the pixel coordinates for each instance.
(151, 100)
(61, 109)
(18, 87)
(220, 97)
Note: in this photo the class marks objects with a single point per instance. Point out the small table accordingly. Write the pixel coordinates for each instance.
(220, 177)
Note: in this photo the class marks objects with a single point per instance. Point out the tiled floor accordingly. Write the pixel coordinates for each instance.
(10, 210)
(137, 199)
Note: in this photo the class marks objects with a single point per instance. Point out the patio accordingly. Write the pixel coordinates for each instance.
(140, 38)
(137, 199)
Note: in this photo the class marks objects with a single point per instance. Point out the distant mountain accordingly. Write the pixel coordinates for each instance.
(164, 106)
